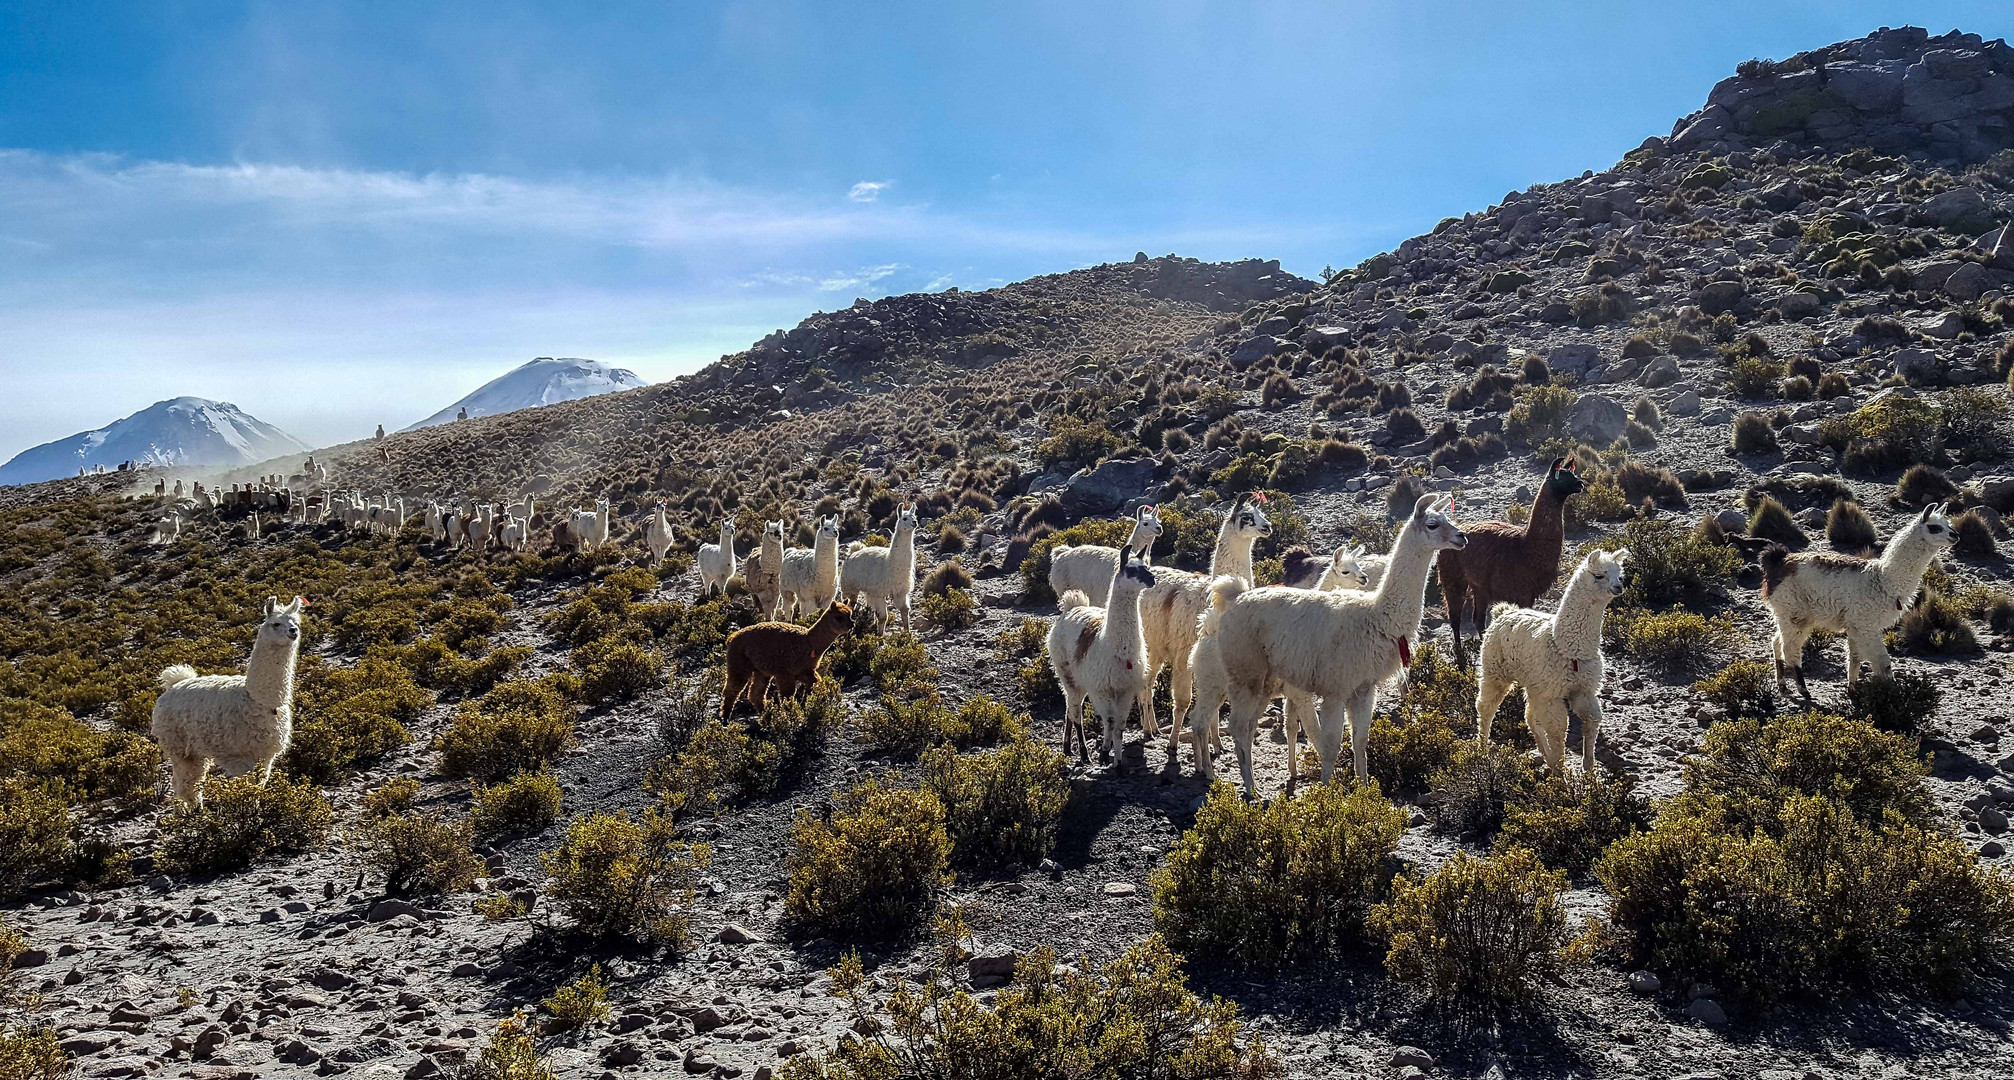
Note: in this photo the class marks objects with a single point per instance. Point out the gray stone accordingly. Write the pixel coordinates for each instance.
(330, 979)
(1645, 983)
(1797, 305)
(1993, 821)
(1968, 283)
(1685, 404)
(1919, 365)
(737, 934)
(622, 1053)
(1321, 338)
(1256, 349)
(1962, 208)
(1661, 371)
(1707, 1011)
(1573, 359)
(992, 963)
(1733, 521)
(387, 910)
(1720, 296)
(1093, 492)
(1597, 419)
(1411, 1056)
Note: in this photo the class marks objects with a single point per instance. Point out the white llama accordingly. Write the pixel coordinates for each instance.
(887, 575)
(590, 527)
(765, 567)
(657, 533)
(1556, 658)
(235, 723)
(436, 529)
(514, 533)
(716, 561)
(1100, 653)
(1170, 611)
(1088, 568)
(481, 527)
(1858, 597)
(1337, 646)
(810, 579)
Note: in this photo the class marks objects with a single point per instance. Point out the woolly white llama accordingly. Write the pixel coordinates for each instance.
(1101, 653)
(1858, 597)
(167, 530)
(886, 575)
(765, 567)
(455, 527)
(1556, 658)
(1170, 610)
(590, 527)
(1337, 646)
(716, 561)
(809, 579)
(514, 533)
(1088, 568)
(235, 723)
(657, 533)
(482, 527)
(436, 528)
(1350, 568)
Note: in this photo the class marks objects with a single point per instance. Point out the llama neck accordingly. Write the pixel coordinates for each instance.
(1122, 615)
(824, 633)
(902, 549)
(269, 676)
(1905, 559)
(772, 550)
(727, 536)
(1141, 541)
(1576, 630)
(1233, 554)
(1548, 516)
(1402, 595)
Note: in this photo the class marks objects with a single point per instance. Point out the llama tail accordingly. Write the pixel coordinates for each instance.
(1072, 599)
(175, 676)
(1223, 592)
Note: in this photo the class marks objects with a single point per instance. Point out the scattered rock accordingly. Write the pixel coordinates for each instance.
(1597, 419)
(1645, 983)
(1707, 1011)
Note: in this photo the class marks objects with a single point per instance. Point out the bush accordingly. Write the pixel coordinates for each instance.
(1001, 807)
(946, 576)
(35, 833)
(1922, 484)
(1892, 433)
(47, 746)
(1933, 627)
(1749, 769)
(516, 727)
(1672, 640)
(872, 867)
(420, 855)
(1568, 821)
(1134, 1020)
(1752, 434)
(1900, 701)
(1477, 788)
(1772, 522)
(1754, 377)
(1539, 417)
(525, 803)
(511, 1054)
(1076, 440)
(391, 797)
(1849, 530)
(953, 609)
(1258, 886)
(1668, 563)
(617, 879)
(723, 761)
(612, 669)
(345, 718)
(242, 822)
(1744, 689)
(579, 1003)
(1478, 936)
(1973, 537)
(32, 1054)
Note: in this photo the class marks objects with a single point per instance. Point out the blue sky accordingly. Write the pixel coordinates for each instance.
(340, 214)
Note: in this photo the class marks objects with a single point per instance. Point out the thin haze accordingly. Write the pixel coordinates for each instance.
(343, 214)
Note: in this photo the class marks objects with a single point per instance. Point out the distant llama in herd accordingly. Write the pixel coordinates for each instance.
(716, 561)
(1101, 653)
(1858, 597)
(1088, 568)
(809, 580)
(1556, 658)
(233, 723)
(657, 534)
(884, 576)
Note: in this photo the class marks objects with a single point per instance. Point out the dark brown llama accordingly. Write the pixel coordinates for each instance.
(1505, 563)
(779, 651)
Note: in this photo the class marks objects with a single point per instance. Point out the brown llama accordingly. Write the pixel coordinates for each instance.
(1505, 563)
(779, 651)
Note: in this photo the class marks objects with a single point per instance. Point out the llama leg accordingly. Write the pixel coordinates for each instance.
(266, 769)
(1490, 693)
(1150, 725)
(1297, 714)
(1073, 719)
(1360, 706)
(181, 776)
(1588, 707)
(1548, 720)
(905, 612)
(1182, 687)
(1457, 598)
(736, 682)
(1790, 638)
(1245, 709)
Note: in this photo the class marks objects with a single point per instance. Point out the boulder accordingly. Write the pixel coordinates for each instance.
(1322, 338)
(1685, 404)
(1573, 359)
(1092, 492)
(1919, 366)
(1597, 419)
(1707, 1011)
(1798, 305)
(1967, 283)
(1961, 209)
(1662, 371)
(387, 910)
(1256, 349)
(1720, 296)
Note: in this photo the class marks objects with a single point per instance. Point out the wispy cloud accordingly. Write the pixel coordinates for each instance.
(867, 190)
(857, 279)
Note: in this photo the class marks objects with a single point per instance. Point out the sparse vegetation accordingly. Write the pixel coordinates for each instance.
(1478, 936)
(617, 879)
(872, 866)
(242, 822)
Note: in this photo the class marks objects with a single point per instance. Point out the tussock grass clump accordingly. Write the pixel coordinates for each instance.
(871, 868)
(517, 726)
(1001, 807)
(946, 576)
(617, 879)
(1256, 886)
(1849, 530)
(1752, 434)
(1771, 521)
(524, 804)
(1933, 627)
(242, 822)
(1922, 484)
(1479, 937)
(1973, 537)
(420, 855)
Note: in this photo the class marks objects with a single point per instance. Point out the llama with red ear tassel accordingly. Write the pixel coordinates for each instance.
(1509, 564)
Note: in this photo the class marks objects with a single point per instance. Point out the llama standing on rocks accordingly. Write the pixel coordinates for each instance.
(1556, 658)
(1088, 568)
(1101, 653)
(1856, 596)
(235, 723)
(810, 579)
(779, 651)
(1336, 646)
(1507, 563)
(1170, 610)
(481, 527)
(716, 561)
(657, 533)
(515, 532)
(885, 575)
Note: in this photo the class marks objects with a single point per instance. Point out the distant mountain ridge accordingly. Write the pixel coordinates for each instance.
(183, 431)
(543, 381)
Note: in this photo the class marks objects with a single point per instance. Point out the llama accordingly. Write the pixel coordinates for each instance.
(1856, 596)
(590, 527)
(1088, 568)
(885, 575)
(166, 531)
(455, 528)
(1337, 646)
(810, 579)
(436, 529)
(1508, 563)
(1350, 568)
(657, 533)
(716, 561)
(779, 651)
(235, 723)
(1556, 658)
(482, 527)
(1170, 610)
(514, 533)
(1101, 653)
(764, 567)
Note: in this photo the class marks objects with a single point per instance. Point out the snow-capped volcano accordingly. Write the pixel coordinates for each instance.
(544, 381)
(183, 431)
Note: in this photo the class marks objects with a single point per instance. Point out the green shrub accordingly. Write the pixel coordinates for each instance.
(1477, 788)
(511, 1054)
(1900, 701)
(953, 609)
(35, 832)
(725, 761)
(612, 669)
(525, 803)
(1259, 885)
(347, 717)
(32, 1053)
(1749, 768)
(1668, 563)
(46, 745)
(1889, 434)
(1754, 377)
(872, 867)
(420, 855)
(616, 879)
(517, 726)
(1568, 821)
(242, 822)
(1742, 689)
(391, 797)
(579, 1003)
(1671, 640)
(1001, 807)
(1539, 417)
(1134, 1020)
(1076, 440)
(1479, 937)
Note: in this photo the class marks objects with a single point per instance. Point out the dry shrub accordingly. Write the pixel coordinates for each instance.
(1568, 821)
(517, 726)
(872, 866)
(1933, 627)
(1772, 522)
(240, 823)
(1001, 807)
(35, 833)
(617, 879)
(525, 803)
(1849, 530)
(1478, 937)
(420, 855)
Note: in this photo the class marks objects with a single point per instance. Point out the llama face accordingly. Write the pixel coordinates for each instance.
(282, 623)
(829, 527)
(1345, 563)
(1564, 478)
(1250, 520)
(773, 531)
(906, 519)
(1135, 573)
(1606, 571)
(1430, 517)
(1937, 527)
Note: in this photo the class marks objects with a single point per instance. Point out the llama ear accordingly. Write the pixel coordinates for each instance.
(299, 603)
(1425, 504)
(1621, 556)
(272, 605)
